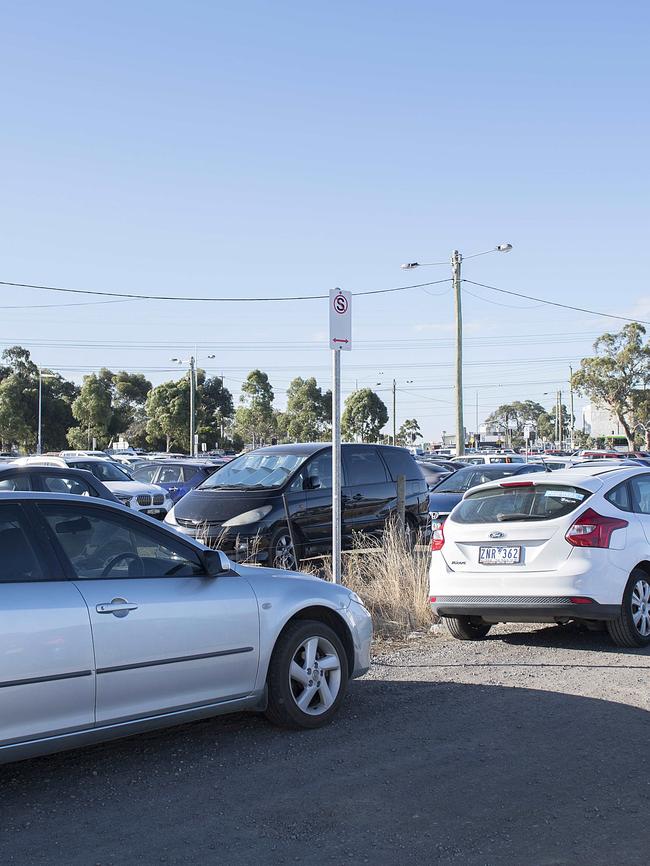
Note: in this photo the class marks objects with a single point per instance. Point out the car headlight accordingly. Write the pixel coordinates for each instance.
(253, 516)
(124, 500)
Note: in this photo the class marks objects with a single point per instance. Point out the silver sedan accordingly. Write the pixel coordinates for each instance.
(111, 623)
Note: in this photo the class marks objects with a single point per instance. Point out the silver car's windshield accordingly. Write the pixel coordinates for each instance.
(257, 469)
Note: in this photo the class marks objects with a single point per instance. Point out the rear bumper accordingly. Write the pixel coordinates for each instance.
(526, 609)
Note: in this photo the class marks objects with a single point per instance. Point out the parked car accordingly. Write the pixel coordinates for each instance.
(177, 477)
(243, 507)
(53, 479)
(493, 457)
(539, 549)
(433, 472)
(148, 498)
(451, 490)
(112, 623)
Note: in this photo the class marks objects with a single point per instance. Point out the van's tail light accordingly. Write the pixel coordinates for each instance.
(438, 537)
(593, 530)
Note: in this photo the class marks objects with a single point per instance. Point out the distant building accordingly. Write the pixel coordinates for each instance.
(599, 422)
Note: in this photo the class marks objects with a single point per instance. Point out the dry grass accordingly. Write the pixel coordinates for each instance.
(392, 581)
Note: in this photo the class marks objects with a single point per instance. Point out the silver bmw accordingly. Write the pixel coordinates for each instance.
(111, 624)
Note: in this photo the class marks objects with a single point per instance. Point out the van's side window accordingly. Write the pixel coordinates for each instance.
(363, 466)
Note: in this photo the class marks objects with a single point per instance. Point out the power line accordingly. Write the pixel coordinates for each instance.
(61, 306)
(133, 296)
(555, 303)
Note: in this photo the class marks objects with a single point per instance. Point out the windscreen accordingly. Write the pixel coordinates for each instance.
(255, 470)
(464, 479)
(504, 504)
(104, 470)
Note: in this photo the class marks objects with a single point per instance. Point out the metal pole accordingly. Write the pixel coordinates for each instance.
(559, 416)
(394, 412)
(192, 406)
(336, 466)
(39, 445)
(456, 259)
(476, 434)
(572, 420)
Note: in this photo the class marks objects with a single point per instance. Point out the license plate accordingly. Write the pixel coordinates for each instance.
(499, 555)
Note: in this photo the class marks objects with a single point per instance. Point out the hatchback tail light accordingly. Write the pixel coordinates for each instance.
(593, 530)
(438, 538)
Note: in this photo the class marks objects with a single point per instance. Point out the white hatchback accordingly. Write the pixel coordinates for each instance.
(541, 548)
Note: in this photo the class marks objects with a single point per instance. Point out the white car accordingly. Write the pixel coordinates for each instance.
(541, 548)
(490, 457)
(147, 498)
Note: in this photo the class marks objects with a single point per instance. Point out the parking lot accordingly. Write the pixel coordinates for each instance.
(526, 747)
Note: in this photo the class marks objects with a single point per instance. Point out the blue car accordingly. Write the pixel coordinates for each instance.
(176, 476)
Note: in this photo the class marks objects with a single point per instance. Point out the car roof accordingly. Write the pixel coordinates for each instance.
(497, 467)
(30, 468)
(589, 477)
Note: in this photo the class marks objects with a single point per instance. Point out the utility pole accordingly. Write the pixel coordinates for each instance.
(192, 387)
(476, 424)
(572, 420)
(39, 446)
(394, 412)
(456, 260)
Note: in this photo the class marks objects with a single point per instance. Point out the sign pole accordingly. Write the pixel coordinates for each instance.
(336, 465)
(340, 341)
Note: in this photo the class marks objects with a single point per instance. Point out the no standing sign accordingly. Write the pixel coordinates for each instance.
(340, 320)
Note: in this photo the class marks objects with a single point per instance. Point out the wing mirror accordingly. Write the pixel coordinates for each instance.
(215, 562)
(312, 483)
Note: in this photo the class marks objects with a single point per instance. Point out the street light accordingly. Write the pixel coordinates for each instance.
(191, 361)
(407, 382)
(41, 376)
(456, 260)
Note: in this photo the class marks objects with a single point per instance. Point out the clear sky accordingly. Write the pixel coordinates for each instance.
(274, 148)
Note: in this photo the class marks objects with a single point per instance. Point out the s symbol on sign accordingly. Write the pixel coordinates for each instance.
(340, 304)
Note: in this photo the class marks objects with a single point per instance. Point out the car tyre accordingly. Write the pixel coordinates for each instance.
(627, 630)
(466, 628)
(308, 676)
(281, 552)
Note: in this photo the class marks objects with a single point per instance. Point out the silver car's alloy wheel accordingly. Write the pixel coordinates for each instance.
(641, 607)
(315, 676)
(283, 555)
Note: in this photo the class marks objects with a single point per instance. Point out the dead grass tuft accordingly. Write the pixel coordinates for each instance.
(392, 581)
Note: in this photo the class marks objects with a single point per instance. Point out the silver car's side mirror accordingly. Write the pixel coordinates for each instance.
(215, 562)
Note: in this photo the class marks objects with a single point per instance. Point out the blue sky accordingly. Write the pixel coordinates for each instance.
(275, 148)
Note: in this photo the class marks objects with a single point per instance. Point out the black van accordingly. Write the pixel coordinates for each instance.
(242, 507)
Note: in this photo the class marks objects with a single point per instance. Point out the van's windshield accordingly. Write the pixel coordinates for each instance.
(257, 470)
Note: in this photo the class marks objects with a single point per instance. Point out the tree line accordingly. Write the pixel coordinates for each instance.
(111, 404)
(614, 378)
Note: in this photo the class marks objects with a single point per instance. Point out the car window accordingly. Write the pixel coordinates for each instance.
(620, 497)
(99, 544)
(169, 475)
(145, 473)
(188, 472)
(69, 484)
(104, 470)
(17, 482)
(316, 474)
(640, 487)
(363, 466)
(18, 559)
(400, 462)
(516, 504)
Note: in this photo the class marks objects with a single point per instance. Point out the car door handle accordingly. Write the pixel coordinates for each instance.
(119, 607)
(173, 489)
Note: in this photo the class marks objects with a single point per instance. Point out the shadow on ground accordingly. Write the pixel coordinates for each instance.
(410, 773)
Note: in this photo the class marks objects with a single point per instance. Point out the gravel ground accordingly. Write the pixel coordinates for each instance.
(527, 748)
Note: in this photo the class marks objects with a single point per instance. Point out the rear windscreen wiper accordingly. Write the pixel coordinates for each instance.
(504, 517)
